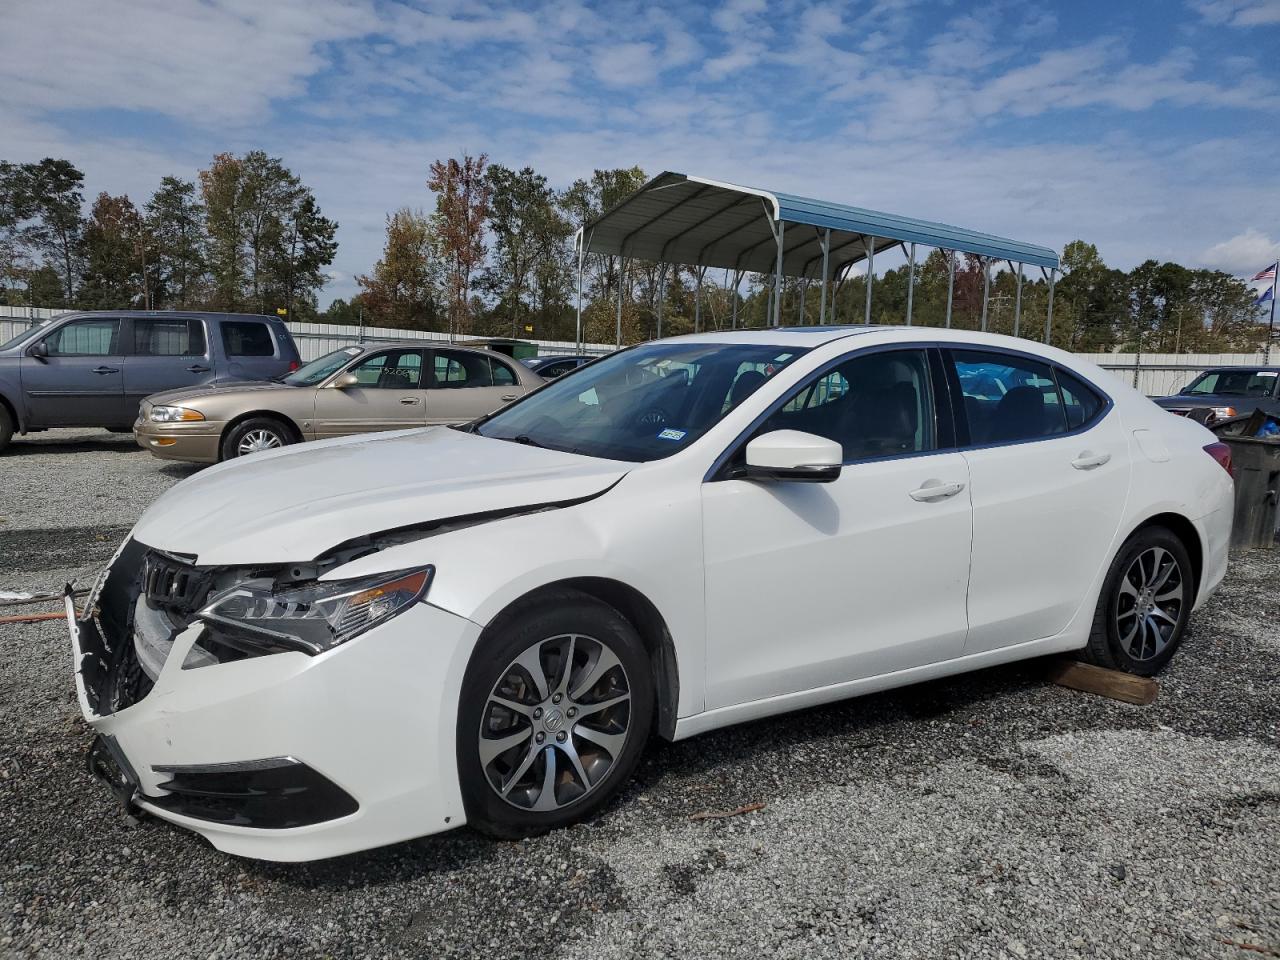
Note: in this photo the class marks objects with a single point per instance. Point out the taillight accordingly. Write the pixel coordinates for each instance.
(1222, 453)
(294, 365)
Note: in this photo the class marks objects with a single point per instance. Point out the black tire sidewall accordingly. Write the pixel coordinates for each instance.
(6, 427)
(233, 437)
(1145, 540)
(500, 645)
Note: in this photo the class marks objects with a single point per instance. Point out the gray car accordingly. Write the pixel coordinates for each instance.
(1228, 392)
(93, 369)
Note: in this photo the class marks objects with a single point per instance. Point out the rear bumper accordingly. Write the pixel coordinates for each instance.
(290, 757)
(193, 442)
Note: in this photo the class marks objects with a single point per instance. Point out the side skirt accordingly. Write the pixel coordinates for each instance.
(756, 709)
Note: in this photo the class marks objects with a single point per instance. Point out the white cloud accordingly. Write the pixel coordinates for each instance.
(1244, 254)
(1239, 13)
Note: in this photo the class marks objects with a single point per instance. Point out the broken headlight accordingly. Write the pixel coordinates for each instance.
(259, 616)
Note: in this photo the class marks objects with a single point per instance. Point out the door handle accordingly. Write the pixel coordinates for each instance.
(1088, 460)
(102, 371)
(410, 401)
(509, 396)
(196, 368)
(933, 490)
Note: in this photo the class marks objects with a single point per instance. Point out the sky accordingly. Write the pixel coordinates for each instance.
(1148, 127)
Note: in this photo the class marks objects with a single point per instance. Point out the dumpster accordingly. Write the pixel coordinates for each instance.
(1257, 469)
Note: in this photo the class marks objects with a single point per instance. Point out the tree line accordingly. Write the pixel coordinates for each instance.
(492, 254)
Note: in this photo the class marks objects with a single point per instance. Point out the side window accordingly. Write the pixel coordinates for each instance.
(85, 338)
(455, 369)
(1080, 402)
(168, 338)
(1007, 397)
(873, 405)
(247, 338)
(392, 370)
(503, 376)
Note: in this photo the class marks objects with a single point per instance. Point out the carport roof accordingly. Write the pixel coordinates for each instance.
(676, 218)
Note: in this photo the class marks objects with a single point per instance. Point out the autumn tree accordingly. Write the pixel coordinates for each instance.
(115, 244)
(305, 248)
(402, 290)
(462, 206)
(223, 193)
(52, 198)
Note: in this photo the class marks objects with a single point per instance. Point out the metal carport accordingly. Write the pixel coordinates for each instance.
(701, 223)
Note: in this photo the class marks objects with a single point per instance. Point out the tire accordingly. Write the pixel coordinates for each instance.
(1123, 638)
(505, 789)
(6, 426)
(271, 433)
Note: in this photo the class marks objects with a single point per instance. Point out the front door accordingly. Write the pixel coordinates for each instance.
(81, 380)
(1049, 472)
(388, 395)
(466, 384)
(813, 584)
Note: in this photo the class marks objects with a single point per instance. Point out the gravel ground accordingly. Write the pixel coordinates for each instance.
(991, 815)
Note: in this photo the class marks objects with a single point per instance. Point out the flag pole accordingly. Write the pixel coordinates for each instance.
(1271, 327)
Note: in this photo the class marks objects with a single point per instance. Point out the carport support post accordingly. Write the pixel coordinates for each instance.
(1017, 304)
(582, 253)
(826, 253)
(1048, 318)
(871, 276)
(698, 272)
(804, 295)
(780, 233)
(737, 282)
(911, 282)
(622, 273)
(662, 295)
(986, 291)
(951, 282)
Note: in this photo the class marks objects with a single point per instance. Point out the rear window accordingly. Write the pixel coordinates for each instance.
(247, 338)
(168, 338)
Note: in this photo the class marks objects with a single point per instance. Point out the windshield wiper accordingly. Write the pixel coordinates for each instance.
(527, 440)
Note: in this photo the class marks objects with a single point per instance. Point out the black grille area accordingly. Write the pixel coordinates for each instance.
(172, 585)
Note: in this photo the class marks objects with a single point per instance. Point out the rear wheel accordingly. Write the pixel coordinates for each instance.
(6, 426)
(1145, 604)
(555, 711)
(253, 435)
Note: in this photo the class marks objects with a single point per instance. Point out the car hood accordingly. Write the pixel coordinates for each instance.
(292, 505)
(219, 389)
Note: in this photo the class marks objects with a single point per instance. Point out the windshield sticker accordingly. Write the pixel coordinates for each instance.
(1268, 373)
(670, 434)
(352, 351)
(782, 358)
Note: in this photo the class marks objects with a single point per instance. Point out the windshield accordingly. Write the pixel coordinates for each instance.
(317, 371)
(641, 404)
(1235, 383)
(14, 341)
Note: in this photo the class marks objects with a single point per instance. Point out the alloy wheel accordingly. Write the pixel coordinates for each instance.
(555, 723)
(256, 440)
(1149, 603)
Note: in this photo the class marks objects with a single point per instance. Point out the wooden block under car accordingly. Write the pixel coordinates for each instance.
(1114, 684)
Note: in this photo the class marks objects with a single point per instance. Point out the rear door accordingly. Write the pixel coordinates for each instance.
(466, 384)
(389, 396)
(81, 381)
(165, 353)
(1049, 473)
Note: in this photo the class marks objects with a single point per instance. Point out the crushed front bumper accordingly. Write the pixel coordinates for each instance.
(286, 756)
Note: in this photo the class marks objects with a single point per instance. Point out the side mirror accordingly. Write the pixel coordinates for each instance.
(794, 455)
(39, 350)
(344, 381)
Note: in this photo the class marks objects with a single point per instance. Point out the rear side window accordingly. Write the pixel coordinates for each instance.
(168, 338)
(455, 369)
(1007, 397)
(85, 338)
(1080, 402)
(247, 338)
(503, 376)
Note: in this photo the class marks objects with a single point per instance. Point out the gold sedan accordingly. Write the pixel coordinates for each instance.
(358, 389)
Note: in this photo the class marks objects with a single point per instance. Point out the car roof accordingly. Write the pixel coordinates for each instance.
(206, 314)
(1259, 368)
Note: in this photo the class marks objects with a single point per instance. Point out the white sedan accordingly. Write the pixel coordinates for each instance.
(354, 642)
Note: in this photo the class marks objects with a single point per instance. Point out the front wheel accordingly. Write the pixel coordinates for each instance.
(1145, 604)
(253, 435)
(6, 427)
(555, 711)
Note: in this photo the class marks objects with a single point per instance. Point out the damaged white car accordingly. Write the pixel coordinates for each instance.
(329, 647)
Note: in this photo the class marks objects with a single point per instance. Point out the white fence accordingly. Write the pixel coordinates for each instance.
(1155, 374)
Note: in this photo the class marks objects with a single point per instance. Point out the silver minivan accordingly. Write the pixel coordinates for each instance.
(93, 369)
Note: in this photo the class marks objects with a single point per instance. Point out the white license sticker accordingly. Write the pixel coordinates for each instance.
(670, 434)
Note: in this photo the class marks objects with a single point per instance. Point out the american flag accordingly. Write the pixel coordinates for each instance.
(1268, 274)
